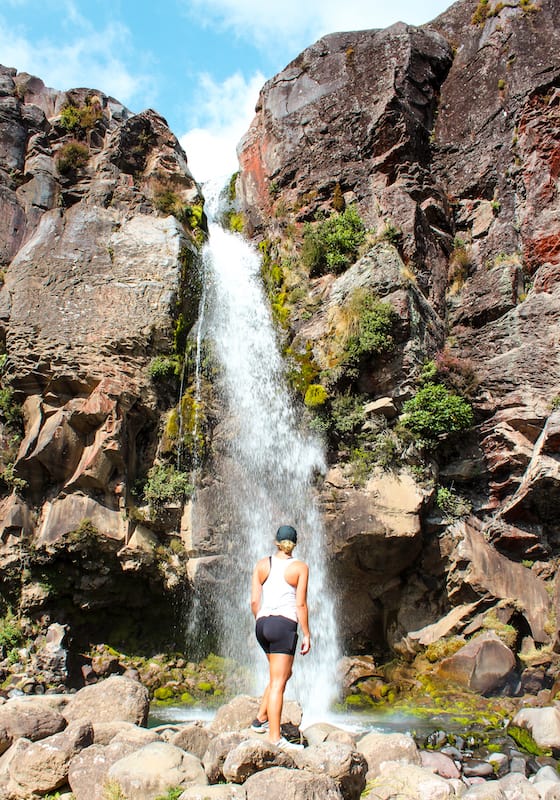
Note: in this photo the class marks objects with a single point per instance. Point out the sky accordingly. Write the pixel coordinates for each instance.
(199, 63)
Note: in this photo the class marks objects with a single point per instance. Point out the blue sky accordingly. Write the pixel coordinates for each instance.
(199, 63)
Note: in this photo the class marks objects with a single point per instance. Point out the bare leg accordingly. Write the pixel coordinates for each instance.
(262, 713)
(280, 669)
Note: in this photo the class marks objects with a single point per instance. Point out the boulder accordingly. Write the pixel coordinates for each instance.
(106, 732)
(87, 771)
(279, 783)
(253, 755)
(483, 665)
(407, 780)
(218, 749)
(41, 767)
(488, 790)
(151, 770)
(542, 723)
(516, 785)
(193, 738)
(115, 699)
(378, 748)
(440, 763)
(341, 762)
(238, 714)
(26, 720)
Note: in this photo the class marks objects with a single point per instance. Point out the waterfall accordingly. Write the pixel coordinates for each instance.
(273, 466)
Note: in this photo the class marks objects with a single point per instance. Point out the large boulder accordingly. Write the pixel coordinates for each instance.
(542, 723)
(218, 750)
(115, 699)
(483, 665)
(408, 780)
(378, 748)
(252, 756)
(346, 766)
(24, 720)
(87, 771)
(279, 783)
(193, 738)
(229, 791)
(42, 767)
(154, 768)
(238, 714)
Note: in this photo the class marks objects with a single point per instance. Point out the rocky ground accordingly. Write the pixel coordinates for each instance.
(94, 745)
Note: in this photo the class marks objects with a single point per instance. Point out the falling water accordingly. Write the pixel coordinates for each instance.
(274, 463)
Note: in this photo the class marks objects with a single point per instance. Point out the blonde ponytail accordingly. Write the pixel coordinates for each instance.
(286, 546)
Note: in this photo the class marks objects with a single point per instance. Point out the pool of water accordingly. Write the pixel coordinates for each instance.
(353, 721)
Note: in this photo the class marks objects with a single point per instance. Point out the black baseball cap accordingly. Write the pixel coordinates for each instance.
(286, 532)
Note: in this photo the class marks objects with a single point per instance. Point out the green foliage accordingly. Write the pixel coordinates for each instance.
(332, 244)
(164, 368)
(72, 156)
(451, 504)
(456, 374)
(443, 648)
(12, 481)
(374, 336)
(172, 794)
(435, 412)
(236, 221)
(481, 13)
(184, 431)
(112, 791)
(523, 738)
(347, 414)
(390, 233)
(10, 410)
(165, 485)
(302, 370)
(11, 635)
(80, 118)
(315, 396)
(555, 403)
(232, 190)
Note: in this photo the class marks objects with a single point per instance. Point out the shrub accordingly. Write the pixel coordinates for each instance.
(165, 485)
(332, 244)
(10, 410)
(72, 156)
(164, 368)
(451, 504)
(10, 632)
(456, 374)
(373, 338)
(435, 412)
(80, 118)
(315, 396)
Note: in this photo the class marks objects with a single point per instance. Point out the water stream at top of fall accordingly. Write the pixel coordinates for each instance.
(273, 463)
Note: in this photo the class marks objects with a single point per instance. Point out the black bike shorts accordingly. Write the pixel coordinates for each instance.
(277, 635)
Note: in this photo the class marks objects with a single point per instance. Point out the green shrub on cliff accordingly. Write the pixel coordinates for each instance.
(165, 485)
(374, 331)
(435, 412)
(72, 156)
(331, 245)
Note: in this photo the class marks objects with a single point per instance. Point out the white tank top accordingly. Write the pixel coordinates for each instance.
(278, 597)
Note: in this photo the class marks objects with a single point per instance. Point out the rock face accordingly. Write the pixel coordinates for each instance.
(445, 139)
(97, 273)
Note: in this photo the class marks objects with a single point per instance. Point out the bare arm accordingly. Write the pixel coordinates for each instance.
(256, 586)
(301, 607)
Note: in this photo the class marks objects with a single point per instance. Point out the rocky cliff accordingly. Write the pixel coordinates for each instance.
(445, 140)
(101, 226)
(402, 185)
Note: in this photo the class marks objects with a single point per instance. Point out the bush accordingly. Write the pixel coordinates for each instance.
(374, 336)
(332, 244)
(315, 396)
(72, 156)
(451, 504)
(164, 368)
(80, 118)
(456, 374)
(166, 485)
(435, 412)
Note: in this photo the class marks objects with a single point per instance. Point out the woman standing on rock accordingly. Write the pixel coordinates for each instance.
(279, 602)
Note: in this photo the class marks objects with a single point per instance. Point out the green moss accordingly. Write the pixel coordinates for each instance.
(443, 648)
(205, 686)
(358, 701)
(525, 741)
(163, 693)
(187, 699)
(315, 395)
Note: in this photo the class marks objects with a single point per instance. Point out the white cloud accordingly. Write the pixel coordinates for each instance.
(275, 23)
(86, 57)
(223, 112)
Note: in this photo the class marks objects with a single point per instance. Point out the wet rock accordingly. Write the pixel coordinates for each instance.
(440, 763)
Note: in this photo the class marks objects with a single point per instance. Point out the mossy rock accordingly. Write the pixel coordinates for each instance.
(164, 693)
(358, 701)
(205, 686)
(523, 738)
(187, 699)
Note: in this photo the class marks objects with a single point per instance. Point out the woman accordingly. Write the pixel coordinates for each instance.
(279, 602)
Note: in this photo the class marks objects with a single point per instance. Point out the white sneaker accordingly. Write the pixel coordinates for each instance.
(284, 744)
